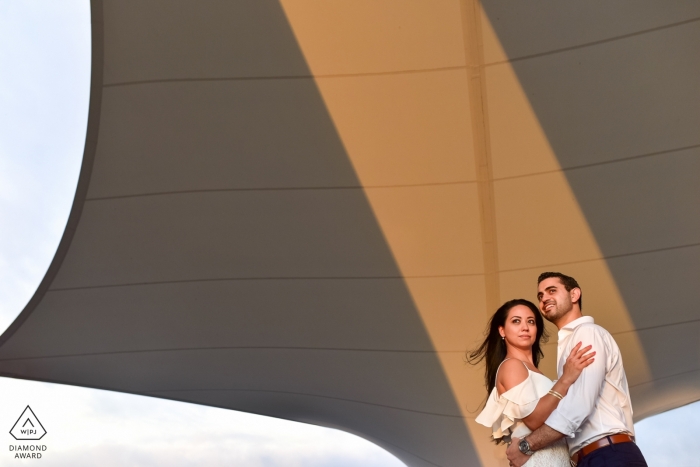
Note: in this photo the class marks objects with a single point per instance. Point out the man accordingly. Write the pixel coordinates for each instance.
(596, 414)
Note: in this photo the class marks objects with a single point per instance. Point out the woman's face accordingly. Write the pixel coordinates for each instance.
(520, 329)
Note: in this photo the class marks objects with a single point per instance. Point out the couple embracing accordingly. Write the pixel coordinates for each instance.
(589, 405)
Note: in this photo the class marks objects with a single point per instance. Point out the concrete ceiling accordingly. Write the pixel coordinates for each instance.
(309, 209)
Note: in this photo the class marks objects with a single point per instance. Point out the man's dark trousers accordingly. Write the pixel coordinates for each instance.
(615, 455)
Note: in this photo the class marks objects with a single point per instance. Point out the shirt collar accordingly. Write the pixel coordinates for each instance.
(569, 328)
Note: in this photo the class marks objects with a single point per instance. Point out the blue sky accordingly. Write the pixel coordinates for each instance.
(44, 82)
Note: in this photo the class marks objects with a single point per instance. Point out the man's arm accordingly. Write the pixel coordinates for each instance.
(541, 437)
(583, 395)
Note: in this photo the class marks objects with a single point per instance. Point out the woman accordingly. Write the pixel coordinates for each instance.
(521, 398)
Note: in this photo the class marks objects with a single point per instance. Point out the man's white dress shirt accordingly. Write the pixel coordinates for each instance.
(598, 403)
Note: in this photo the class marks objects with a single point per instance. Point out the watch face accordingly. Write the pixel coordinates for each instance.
(523, 446)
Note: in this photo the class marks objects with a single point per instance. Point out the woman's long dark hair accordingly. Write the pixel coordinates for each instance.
(493, 349)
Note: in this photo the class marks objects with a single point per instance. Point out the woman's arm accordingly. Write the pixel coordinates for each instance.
(577, 360)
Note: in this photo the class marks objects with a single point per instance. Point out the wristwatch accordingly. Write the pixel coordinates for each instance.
(524, 447)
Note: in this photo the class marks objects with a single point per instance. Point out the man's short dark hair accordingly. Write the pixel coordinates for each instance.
(568, 282)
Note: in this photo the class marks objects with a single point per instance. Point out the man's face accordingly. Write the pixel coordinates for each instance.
(554, 299)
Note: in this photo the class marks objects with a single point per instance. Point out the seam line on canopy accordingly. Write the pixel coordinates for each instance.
(460, 182)
(399, 72)
(596, 164)
(603, 258)
(232, 190)
(606, 257)
(649, 328)
(593, 43)
(148, 391)
(206, 349)
(134, 284)
(476, 84)
(665, 377)
(287, 77)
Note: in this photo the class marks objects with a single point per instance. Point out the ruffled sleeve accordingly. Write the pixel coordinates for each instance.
(501, 412)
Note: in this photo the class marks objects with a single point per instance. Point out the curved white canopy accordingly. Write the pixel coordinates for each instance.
(309, 209)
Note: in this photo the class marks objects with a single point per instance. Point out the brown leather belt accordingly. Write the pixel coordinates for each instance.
(601, 443)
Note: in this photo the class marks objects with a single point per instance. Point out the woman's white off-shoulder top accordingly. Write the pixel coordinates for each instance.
(504, 413)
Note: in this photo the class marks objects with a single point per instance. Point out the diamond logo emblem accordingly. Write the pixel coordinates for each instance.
(28, 427)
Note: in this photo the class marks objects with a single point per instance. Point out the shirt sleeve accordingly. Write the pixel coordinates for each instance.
(582, 396)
